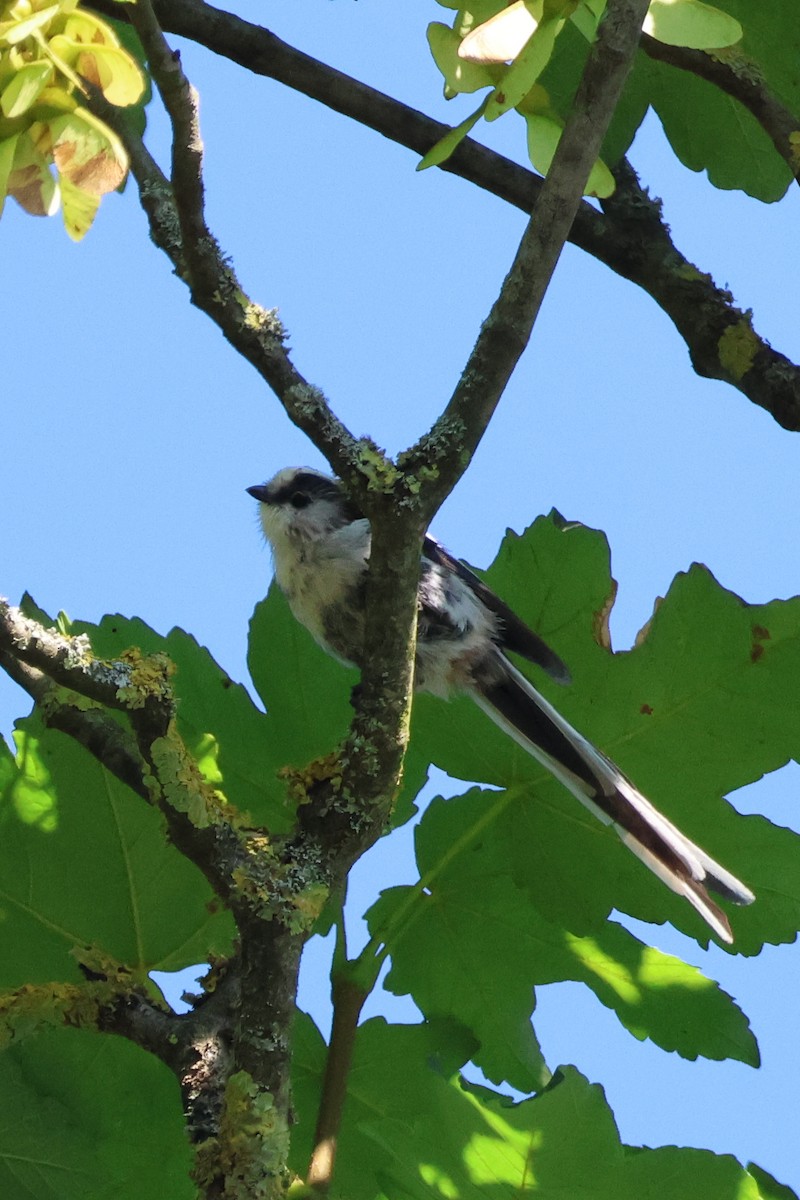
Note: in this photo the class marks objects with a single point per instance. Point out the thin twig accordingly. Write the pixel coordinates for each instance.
(177, 226)
(348, 1001)
(181, 102)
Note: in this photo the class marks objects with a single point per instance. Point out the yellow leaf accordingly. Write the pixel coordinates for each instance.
(16, 31)
(525, 70)
(501, 38)
(544, 134)
(460, 76)
(78, 209)
(82, 26)
(114, 71)
(442, 150)
(25, 87)
(691, 23)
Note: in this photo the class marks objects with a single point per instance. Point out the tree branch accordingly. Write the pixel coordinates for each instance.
(66, 660)
(702, 312)
(91, 727)
(177, 224)
(742, 79)
(506, 331)
(45, 662)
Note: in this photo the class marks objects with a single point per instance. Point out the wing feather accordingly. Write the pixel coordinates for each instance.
(515, 635)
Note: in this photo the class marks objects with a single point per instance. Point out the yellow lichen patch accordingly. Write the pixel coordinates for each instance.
(300, 780)
(257, 881)
(310, 903)
(61, 697)
(381, 472)
(33, 1007)
(250, 1151)
(149, 676)
(738, 347)
(181, 784)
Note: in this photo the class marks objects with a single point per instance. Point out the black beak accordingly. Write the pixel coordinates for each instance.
(259, 491)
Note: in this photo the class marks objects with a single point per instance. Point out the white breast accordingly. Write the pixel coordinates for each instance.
(318, 575)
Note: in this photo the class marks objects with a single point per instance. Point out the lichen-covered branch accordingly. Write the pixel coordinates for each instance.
(704, 312)
(103, 737)
(232, 1058)
(721, 339)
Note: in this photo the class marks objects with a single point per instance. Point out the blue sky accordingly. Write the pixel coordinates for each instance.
(132, 430)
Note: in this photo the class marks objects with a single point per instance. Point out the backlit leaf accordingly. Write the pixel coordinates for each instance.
(25, 87)
(114, 72)
(691, 23)
(85, 862)
(442, 150)
(502, 37)
(544, 134)
(459, 76)
(16, 31)
(78, 208)
(525, 70)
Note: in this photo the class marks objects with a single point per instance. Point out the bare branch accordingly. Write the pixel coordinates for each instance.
(721, 339)
(180, 100)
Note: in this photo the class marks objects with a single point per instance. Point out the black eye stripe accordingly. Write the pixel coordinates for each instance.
(312, 486)
(305, 487)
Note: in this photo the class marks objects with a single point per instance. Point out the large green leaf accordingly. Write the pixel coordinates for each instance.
(710, 131)
(85, 863)
(707, 128)
(708, 702)
(491, 945)
(399, 1074)
(86, 1116)
(413, 1130)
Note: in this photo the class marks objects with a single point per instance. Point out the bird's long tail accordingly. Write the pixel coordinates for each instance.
(515, 705)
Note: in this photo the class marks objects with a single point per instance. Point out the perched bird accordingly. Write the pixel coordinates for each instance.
(321, 543)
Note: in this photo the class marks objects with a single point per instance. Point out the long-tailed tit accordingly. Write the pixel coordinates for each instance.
(321, 544)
